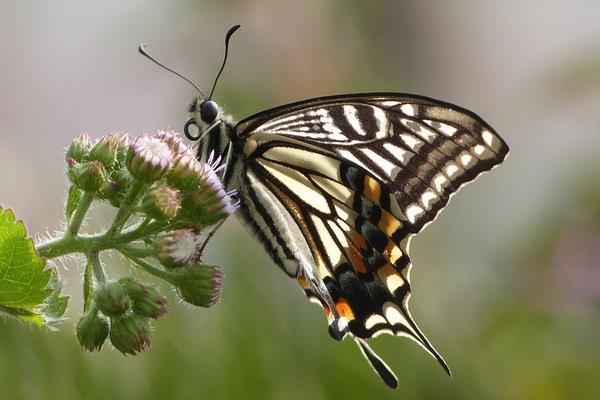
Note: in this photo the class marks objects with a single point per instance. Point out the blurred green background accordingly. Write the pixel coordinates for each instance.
(506, 282)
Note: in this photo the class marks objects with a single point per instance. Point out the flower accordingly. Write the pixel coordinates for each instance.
(148, 158)
(123, 143)
(210, 202)
(112, 299)
(171, 139)
(92, 331)
(186, 173)
(178, 248)
(130, 334)
(199, 285)
(162, 203)
(105, 151)
(89, 176)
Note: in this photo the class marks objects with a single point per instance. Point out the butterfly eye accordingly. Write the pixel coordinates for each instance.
(191, 130)
(209, 110)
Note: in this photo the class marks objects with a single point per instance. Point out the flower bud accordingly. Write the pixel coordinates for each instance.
(79, 148)
(198, 284)
(178, 248)
(148, 158)
(112, 299)
(130, 334)
(105, 151)
(162, 203)
(147, 302)
(89, 176)
(123, 143)
(116, 187)
(186, 173)
(92, 331)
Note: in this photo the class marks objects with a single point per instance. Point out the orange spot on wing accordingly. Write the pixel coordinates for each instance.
(388, 223)
(344, 309)
(358, 239)
(372, 189)
(357, 260)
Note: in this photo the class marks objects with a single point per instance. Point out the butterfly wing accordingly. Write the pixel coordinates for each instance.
(356, 176)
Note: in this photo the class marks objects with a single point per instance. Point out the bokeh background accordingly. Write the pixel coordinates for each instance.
(506, 282)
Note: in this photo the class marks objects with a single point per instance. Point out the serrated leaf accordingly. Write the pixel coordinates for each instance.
(72, 201)
(28, 290)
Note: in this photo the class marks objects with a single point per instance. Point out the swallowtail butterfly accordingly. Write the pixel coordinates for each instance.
(335, 188)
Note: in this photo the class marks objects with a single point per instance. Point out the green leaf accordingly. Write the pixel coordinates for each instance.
(72, 201)
(28, 290)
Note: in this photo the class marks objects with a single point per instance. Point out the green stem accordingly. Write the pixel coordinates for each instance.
(149, 268)
(88, 285)
(80, 211)
(137, 251)
(97, 267)
(127, 208)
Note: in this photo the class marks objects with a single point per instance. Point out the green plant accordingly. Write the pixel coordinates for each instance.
(164, 198)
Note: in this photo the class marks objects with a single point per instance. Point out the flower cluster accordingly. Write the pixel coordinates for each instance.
(165, 198)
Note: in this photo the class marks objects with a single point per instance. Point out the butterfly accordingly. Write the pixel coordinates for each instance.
(336, 187)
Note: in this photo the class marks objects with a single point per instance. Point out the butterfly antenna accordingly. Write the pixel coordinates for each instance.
(144, 52)
(227, 36)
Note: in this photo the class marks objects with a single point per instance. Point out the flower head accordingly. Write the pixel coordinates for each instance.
(147, 301)
(92, 331)
(105, 151)
(130, 334)
(179, 248)
(186, 173)
(112, 299)
(172, 139)
(210, 202)
(79, 148)
(162, 203)
(123, 143)
(148, 158)
(89, 176)
(199, 285)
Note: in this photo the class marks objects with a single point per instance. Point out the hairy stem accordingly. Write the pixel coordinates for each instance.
(88, 284)
(127, 208)
(80, 211)
(97, 267)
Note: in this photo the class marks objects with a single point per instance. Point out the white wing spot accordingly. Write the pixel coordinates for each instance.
(350, 157)
(352, 117)
(373, 320)
(390, 103)
(427, 198)
(410, 141)
(447, 129)
(451, 169)
(382, 122)
(408, 109)
(399, 153)
(488, 138)
(479, 149)
(412, 212)
(383, 163)
(394, 316)
(465, 159)
(439, 182)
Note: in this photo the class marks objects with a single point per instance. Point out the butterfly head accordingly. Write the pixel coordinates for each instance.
(204, 114)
